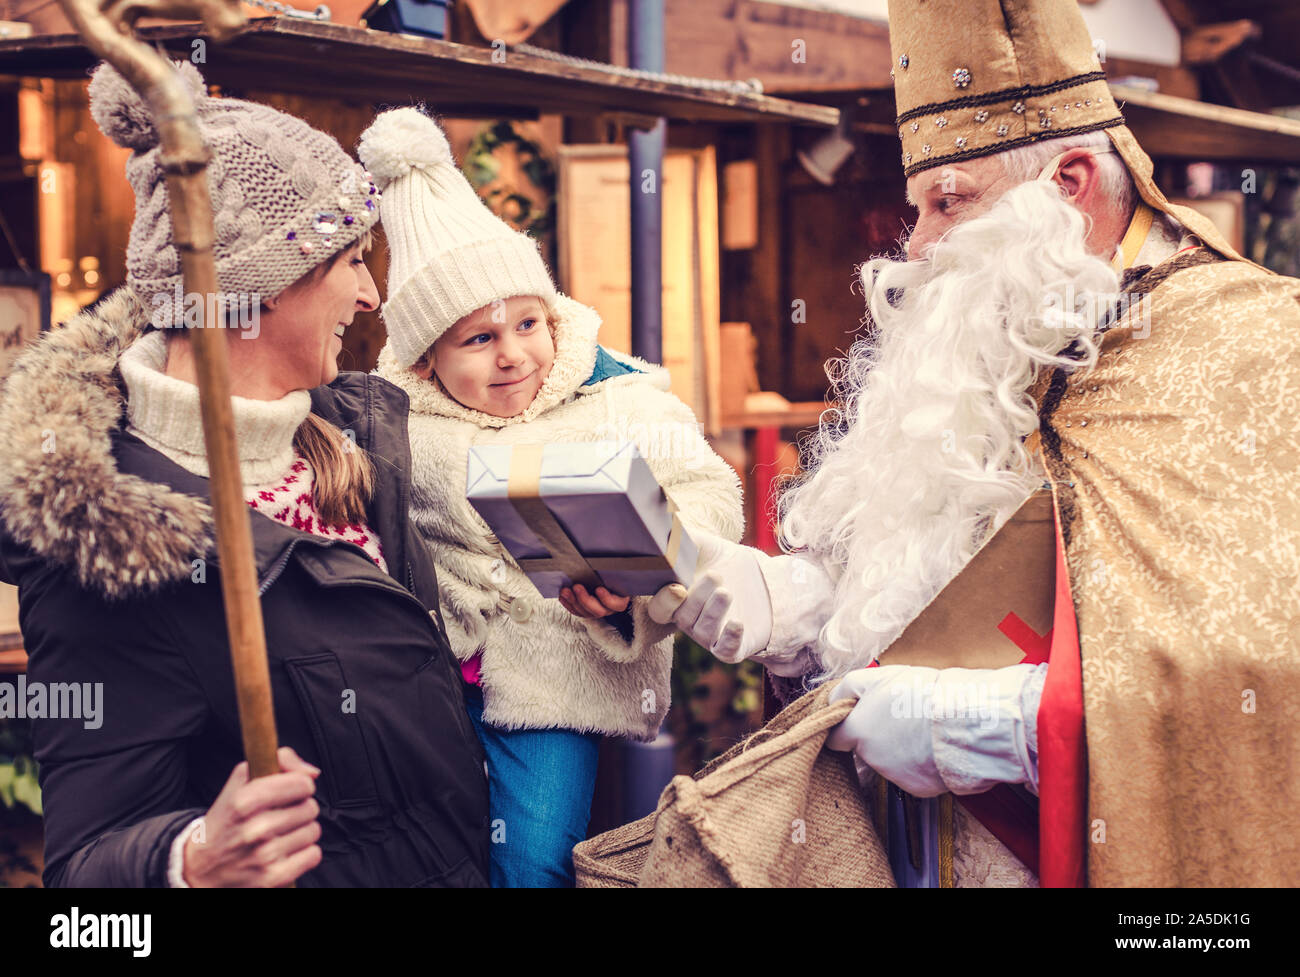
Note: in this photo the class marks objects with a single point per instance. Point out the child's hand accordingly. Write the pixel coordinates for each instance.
(577, 601)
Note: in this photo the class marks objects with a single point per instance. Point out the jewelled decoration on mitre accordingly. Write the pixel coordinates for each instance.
(1031, 59)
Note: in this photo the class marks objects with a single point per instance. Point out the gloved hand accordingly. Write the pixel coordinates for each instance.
(888, 729)
(727, 609)
(932, 730)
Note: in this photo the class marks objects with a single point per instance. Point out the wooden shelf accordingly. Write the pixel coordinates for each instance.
(13, 658)
(801, 413)
(309, 57)
(1172, 127)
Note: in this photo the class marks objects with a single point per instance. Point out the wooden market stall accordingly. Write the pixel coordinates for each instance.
(68, 210)
(759, 247)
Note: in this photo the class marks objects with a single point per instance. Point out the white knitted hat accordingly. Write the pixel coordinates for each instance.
(449, 255)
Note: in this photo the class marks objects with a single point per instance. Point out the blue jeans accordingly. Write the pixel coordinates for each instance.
(540, 783)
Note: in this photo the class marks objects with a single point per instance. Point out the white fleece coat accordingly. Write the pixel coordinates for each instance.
(541, 666)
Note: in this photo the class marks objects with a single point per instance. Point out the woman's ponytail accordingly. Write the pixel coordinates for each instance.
(345, 477)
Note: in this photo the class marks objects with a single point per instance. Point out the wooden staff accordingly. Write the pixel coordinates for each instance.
(108, 32)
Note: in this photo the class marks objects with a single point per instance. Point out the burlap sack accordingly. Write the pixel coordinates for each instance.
(775, 810)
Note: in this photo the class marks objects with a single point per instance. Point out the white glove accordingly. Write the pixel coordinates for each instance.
(957, 729)
(727, 609)
(888, 728)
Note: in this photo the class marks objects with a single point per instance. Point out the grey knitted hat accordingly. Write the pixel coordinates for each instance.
(285, 196)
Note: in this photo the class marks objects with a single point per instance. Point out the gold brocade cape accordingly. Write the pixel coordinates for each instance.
(1175, 461)
(1175, 466)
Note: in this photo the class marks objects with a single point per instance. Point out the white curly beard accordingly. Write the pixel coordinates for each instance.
(925, 458)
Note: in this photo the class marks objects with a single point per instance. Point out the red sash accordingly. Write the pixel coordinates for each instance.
(1062, 750)
(1049, 837)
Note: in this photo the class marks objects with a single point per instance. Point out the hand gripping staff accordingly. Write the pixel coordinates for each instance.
(107, 29)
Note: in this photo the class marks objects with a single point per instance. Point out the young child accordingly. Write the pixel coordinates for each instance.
(491, 353)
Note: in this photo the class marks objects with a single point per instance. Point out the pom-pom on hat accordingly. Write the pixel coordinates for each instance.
(449, 255)
(285, 196)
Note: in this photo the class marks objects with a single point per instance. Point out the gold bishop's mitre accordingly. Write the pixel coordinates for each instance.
(976, 77)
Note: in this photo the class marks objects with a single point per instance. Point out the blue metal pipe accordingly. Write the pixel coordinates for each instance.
(646, 159)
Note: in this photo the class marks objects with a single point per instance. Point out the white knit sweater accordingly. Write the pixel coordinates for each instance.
(541, 666)
(163, 412)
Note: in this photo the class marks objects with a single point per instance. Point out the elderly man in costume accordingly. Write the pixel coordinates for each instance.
(1050, 539)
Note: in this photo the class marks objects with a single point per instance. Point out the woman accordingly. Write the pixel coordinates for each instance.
(107, 534)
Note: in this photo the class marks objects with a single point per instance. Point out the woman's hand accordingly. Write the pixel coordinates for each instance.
(577, 601)
(258, 833)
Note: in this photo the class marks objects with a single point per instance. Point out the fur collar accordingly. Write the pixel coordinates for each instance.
(576, 326)
(61, 492)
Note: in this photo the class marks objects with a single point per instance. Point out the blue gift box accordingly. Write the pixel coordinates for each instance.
(589, 513)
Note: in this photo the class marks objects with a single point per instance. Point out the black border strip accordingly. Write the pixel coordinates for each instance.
(1007, 93)
(965, 154)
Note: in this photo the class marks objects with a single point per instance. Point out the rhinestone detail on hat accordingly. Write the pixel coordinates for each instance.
(961, 142)
(941, 122)
(961, 77)
(926, 149)
(916, 126)
(1003, 130)
(1018, 108)
(903, 61)
(908, 158)
(982, 115)
(325, 223)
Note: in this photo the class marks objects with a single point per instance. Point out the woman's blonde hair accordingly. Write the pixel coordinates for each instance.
(344, 474)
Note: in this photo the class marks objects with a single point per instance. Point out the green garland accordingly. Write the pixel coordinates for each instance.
(19, 786)
(481, 167)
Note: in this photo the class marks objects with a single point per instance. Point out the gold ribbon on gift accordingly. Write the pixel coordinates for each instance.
(523, 488)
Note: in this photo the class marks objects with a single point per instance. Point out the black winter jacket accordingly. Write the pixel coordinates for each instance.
(102, 535)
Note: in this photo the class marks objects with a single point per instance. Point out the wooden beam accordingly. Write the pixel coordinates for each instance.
(512, 21)
(786, 48)
(1171, 79)
(1182, 128)
(1207, 44)
(310, 57)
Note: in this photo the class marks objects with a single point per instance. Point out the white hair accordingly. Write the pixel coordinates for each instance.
(1025, 162)
(924, 458)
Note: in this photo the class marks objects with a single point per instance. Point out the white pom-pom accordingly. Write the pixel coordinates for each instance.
(123, 115)
(402, 140)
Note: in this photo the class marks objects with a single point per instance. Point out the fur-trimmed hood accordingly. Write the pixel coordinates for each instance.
(576, 358)
(61, 491)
